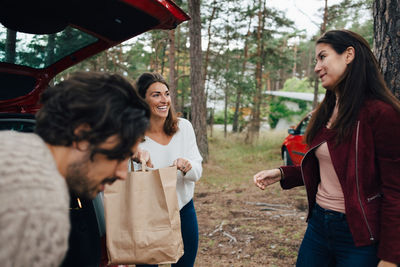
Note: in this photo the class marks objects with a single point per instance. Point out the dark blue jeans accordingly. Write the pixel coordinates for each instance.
(328, 242)
(190, 237)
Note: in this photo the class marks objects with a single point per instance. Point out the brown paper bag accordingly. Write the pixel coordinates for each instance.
(142, 218)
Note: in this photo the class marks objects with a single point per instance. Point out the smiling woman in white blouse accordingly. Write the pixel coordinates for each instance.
(171, 141)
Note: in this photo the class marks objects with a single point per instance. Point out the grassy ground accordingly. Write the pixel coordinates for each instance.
(239, 224)
(232, 162)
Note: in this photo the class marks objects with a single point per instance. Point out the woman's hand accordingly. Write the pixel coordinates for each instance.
(143, 157)
(267, 177)
(183, 165)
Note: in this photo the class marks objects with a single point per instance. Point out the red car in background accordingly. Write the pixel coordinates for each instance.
(40, 39)
(293, 148)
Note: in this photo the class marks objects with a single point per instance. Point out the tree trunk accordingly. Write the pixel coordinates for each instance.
(163, 50)
(226, 110)
(182, 104)
(226, 89)
(50, 49)
(309, 62)
(177, 65)
(156, 44)
(294, 71)
(211, 122)
(196, 79)
(209, 43)
(316, 85)
(10, 46)
(235, 123)
(387, 41)
(172, 73)
(268, 81)
(254, 127)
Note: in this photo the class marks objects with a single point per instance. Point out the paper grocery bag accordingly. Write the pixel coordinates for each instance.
(142, 218)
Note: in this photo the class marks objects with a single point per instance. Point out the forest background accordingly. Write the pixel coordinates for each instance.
(224, 61)
(220, 66)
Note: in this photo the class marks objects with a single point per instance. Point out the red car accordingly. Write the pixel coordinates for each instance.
(40, 39)
(293, 148)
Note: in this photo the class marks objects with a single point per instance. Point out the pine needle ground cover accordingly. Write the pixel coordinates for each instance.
(239, 224)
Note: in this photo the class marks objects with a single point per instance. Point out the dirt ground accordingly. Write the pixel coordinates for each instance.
(245, 226)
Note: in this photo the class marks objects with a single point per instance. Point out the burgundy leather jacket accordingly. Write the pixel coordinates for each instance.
(368, 167)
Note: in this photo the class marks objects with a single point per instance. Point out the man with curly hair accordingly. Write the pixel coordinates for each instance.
(87, 129)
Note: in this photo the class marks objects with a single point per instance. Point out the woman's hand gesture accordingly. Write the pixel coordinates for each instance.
(267, 177)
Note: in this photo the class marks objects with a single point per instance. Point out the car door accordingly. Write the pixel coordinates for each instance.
(298, 147)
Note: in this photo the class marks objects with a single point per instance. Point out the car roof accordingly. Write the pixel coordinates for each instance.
(51, 36)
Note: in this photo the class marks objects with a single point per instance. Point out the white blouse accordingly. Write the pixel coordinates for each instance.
(182, 145)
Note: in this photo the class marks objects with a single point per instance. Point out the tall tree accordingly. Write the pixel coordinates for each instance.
(239, 89)
(254, 127)
(209, 34)
(269, 58)
(172, 72)
(198, 101)
(387, 41)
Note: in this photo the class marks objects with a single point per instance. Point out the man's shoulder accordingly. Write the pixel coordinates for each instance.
(26, 162)
(17, 146)
(13, 138)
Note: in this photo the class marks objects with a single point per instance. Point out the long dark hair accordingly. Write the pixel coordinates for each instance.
(143, 83)
(362, 80)
(106, 103)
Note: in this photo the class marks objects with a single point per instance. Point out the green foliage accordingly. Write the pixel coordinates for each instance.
(279, 109)
(231, 25)
(230, 157)
(40, 51)
(365, 29)
(354, 15)
(219, 117)
(304, 85)
(138, 59)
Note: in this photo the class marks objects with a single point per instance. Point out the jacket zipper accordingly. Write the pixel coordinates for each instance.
(358, 187)
(301, 165)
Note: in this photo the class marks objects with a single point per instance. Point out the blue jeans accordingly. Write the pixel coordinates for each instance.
(190, 237)
(328, 242)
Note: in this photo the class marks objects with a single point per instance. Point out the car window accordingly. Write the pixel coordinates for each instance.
(40, 51)
(303, 125)
(20, 125)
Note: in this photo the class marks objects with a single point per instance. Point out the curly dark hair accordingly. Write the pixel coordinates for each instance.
(143, 83)
(105, 104)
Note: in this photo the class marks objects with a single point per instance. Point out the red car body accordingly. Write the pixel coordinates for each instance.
(110, 22)
(294, 148)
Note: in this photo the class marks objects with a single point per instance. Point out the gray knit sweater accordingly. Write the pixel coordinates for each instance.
(34, 203)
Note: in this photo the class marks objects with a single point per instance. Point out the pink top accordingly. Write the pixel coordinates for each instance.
(330, 194)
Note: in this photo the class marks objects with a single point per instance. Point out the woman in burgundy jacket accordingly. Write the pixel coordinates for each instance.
(352, 169)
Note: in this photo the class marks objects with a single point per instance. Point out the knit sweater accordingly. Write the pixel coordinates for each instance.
(34, 210)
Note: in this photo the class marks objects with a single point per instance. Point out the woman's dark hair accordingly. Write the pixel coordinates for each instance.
(99, 105)
(362, 80)
(143, 83)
